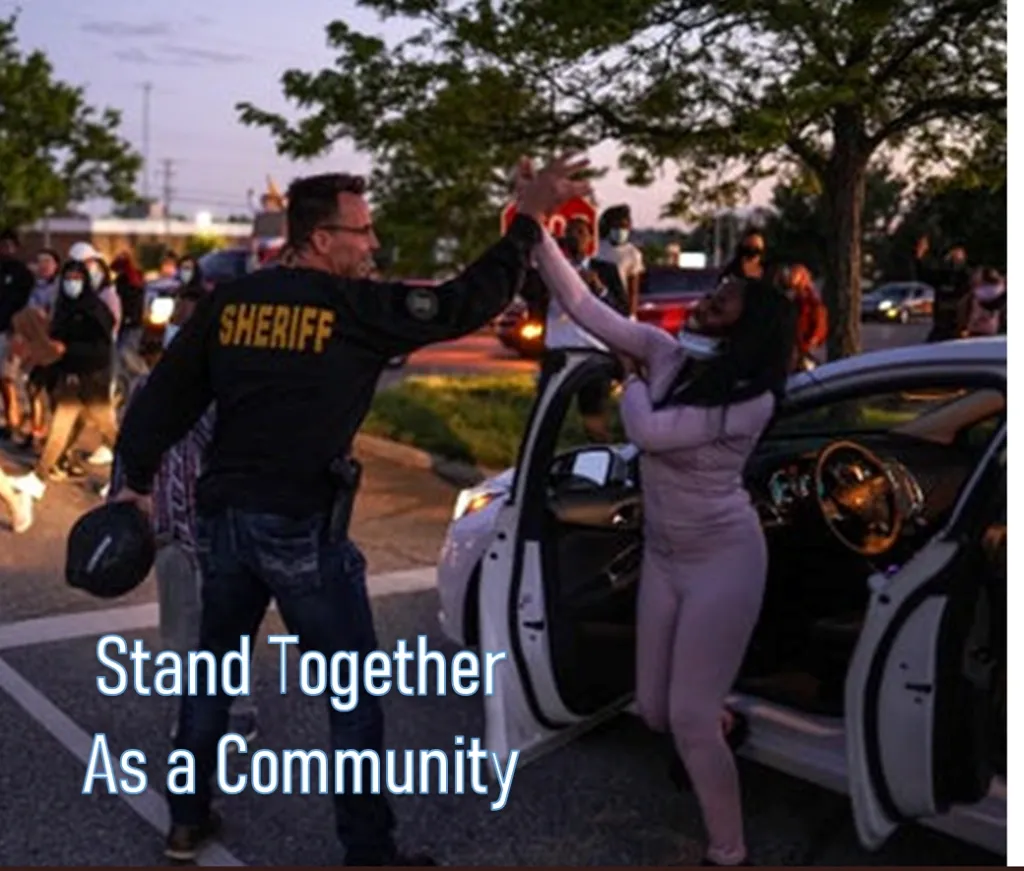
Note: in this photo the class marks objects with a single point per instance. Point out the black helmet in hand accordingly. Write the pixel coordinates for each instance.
(110, 550)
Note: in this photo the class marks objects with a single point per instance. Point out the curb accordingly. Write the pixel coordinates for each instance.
(455, 472)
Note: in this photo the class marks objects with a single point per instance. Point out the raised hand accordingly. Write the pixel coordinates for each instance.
(540, 192)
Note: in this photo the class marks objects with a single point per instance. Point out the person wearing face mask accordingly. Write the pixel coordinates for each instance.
(82, 331)
(616, 224)
(696, 417)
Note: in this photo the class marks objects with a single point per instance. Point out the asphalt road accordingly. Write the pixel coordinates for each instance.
(605, 799)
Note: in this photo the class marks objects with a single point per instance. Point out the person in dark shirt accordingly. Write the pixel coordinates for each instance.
(291, 356)
(951, 281)
(16, 284)
(83, 328)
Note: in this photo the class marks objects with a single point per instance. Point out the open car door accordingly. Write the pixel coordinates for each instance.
(922, 690)
(558, 584)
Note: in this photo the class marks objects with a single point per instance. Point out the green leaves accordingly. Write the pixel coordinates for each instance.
(725, 92)
(55, 149)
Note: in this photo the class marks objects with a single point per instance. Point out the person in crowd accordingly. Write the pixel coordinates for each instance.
(129, 284)
(176, 566)
(16, 283)
(706, 400)
(748, 259)
(950, 279)
(986, 304)
(291, 358)
(605, 282)
(19, 505)
(812, 315)
(190, 277)
(100, 277)
(43, 298)
(615, 247)
(82, 328)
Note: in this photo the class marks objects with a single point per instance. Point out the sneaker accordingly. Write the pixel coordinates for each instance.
(30, 484)
(102, 456)
(22, 512)
(184, 842)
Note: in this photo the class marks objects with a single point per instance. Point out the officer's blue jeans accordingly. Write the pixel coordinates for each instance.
(320, 590)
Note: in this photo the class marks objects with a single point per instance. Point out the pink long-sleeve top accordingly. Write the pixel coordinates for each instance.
(692, 460)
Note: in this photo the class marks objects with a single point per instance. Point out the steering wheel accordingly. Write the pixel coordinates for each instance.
(858, 498)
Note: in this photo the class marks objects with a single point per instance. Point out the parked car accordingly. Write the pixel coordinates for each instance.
(899, 302)
(878, 667)
(667, 293)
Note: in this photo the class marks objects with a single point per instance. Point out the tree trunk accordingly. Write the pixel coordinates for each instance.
(843, 185)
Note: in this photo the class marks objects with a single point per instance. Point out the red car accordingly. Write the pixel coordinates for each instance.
(667, 293)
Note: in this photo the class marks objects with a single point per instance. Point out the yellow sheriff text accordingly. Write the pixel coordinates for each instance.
(276, 327)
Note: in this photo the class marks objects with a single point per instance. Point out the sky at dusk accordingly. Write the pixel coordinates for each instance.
(202, 58)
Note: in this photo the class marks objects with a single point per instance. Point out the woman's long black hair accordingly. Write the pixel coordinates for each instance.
(754, 357)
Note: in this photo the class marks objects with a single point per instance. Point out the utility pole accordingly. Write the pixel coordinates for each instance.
(168, 173)
(147, 89)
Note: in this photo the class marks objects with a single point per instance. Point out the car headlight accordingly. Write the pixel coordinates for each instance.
(470, 501)
(885, 305)
(160, 310)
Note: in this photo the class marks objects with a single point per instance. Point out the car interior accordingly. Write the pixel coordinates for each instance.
(845, 489)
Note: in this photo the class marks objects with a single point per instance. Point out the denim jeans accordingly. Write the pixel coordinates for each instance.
(320, 590)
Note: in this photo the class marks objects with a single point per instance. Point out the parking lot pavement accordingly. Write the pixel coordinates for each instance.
(604, 799)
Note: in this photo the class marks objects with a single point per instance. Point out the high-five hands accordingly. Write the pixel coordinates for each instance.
(540, 192)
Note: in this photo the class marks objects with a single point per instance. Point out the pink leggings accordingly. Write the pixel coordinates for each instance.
(699, 600)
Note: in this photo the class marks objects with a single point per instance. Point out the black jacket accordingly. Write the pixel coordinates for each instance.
(608, 287)
(291, 357)
(16, 283)
(85, 325)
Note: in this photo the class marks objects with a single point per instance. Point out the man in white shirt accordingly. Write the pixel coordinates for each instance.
(616, 224)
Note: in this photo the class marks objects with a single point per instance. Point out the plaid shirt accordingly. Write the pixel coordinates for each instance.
(174, 504)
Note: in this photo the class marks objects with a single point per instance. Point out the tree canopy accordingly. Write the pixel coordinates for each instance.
(725, 92)
(55, 149)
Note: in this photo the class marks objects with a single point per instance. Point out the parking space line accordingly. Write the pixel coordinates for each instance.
(128, 618)
(149, 805)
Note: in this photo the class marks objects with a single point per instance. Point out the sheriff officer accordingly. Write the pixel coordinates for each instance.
(291, 356)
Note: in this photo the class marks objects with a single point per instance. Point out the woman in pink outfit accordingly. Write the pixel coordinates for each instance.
(696, 415)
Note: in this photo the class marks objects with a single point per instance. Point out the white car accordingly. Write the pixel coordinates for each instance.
(878, 667)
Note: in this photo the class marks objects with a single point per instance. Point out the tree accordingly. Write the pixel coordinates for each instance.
(727, 91)
(55, 149)
(796, 231)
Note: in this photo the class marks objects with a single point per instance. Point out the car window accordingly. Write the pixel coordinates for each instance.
(875, 412)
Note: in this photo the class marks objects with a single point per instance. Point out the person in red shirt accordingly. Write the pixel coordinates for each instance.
(812, 315)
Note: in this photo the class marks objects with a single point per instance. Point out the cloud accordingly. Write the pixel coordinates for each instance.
(121, 29)
(204, 55)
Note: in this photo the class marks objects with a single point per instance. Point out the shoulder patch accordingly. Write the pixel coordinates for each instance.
(422, 303)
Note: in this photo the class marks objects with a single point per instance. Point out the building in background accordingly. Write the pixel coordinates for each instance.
(145, 237)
